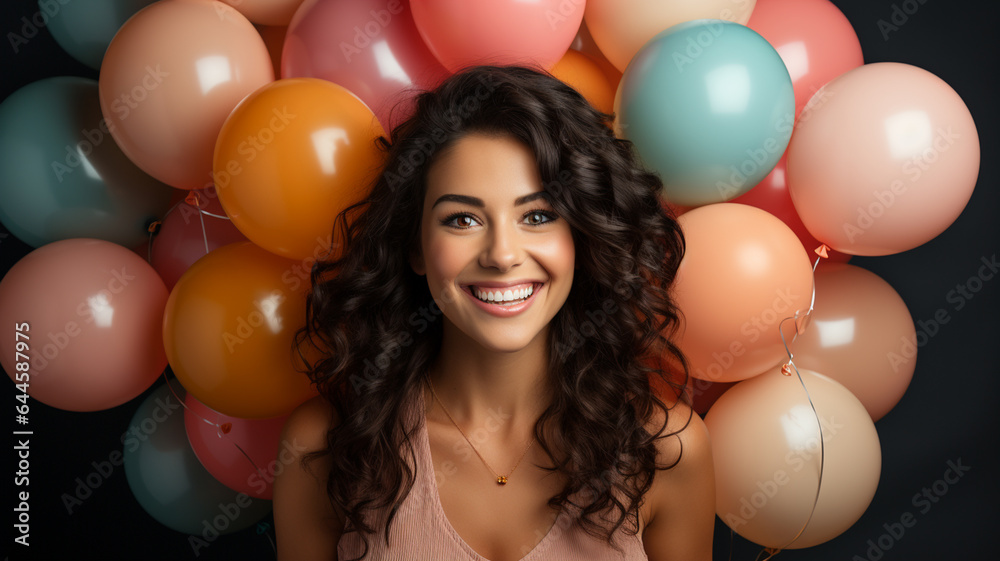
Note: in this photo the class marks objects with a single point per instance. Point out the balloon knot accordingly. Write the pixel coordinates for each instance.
(193, 200)
(226, 427)
(822, 250)
(786, 369)
(154, 226)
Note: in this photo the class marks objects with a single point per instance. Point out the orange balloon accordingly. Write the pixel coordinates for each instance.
(861, 335)
(743, 272)
(169, 79)
(228, 331)
(584, 75)
(289, 158)
(766, 445)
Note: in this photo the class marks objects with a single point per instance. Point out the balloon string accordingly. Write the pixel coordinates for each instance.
(192, 200)
(221, 429)
(800, 322)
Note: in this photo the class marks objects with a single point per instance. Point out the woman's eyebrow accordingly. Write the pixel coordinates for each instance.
(477, 202)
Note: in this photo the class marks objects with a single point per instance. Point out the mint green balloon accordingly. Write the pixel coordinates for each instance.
(63, 176)
(709, 105)
(84, 29)
(170, 483)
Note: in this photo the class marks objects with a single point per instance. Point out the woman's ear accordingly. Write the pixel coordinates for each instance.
(417, 261)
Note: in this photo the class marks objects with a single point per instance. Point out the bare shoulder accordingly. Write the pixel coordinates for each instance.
(680, 505)
(307, 525)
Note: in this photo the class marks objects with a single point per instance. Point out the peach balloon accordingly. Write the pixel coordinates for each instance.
(743, 272)
(766, 445)
(584, 75)
(886, 161)
(861, 335)
(462, 33)
(87, 315)
(266, 12)
(169, 79)
(621, 27)
(814, 39)
(228, 329)
(289, 158)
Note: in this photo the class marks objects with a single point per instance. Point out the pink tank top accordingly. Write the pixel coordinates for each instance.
(420, 530)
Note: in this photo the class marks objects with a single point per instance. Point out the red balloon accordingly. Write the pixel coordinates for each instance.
(181, 240)
(814, 39)
(370, 47)
(218, 439)
(771, 194)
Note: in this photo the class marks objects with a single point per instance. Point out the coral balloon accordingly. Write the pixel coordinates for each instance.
(89, 313)
(709, 106)
(266, 12)
(861, 335)
(462, 33)
(766, 445)
(370, 47)
(62, 175)
(621, 27)
(771, 195)
(585, 76)
(814, 39)
(228, 329)
(886, 161)
(743, 272)
(220, 442)
(289, 158)
(171, 76)
(184, 236)
(170, 484)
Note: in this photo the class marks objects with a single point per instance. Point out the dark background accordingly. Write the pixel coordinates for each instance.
(948, 413)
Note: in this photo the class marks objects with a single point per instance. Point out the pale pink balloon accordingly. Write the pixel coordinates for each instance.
(169, 79)
(243, 454)
(886, 160)
(621, 27)
(92, 316)
(462, 33)
(766, 443)
(743, 272)
(814, 39)
(860, 334)
(370, 47)
(266, 12)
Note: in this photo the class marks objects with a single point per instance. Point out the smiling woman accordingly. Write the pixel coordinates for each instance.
(507, 216)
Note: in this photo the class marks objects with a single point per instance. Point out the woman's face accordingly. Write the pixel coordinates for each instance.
(489, 233)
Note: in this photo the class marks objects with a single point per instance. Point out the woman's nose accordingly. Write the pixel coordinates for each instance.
(503, 248)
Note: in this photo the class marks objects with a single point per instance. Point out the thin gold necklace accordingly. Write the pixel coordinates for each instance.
(501, 479)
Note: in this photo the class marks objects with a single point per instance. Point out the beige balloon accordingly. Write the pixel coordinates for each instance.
(766, 446)
(621, 27)
(860, 334)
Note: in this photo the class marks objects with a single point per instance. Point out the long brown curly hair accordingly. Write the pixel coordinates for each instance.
(605, 343)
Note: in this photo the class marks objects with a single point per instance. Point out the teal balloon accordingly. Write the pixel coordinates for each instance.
(709, 106)
(85, 29)
(170, 483)
(63, 176)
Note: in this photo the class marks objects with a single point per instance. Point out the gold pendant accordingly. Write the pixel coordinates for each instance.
(501, 480)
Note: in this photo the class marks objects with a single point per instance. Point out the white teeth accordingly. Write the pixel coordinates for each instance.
(503, 296)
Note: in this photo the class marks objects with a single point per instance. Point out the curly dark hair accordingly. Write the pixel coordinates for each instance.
(606, 342)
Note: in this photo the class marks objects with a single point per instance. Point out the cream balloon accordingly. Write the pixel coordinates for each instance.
(621, 27)
(767, 448)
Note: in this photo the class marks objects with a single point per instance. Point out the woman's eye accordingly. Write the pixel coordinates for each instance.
(459, 219)
(538, 217)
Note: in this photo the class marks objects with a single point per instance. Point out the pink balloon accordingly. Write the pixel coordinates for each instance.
(771, 194)
(766, 445)
(219, 451)
(370, 47)
(169, 79)
(886, 161)
(860, 333)
(743, 272)
(181, 240)
(814, 39)
(462, 33)
(92, 316)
